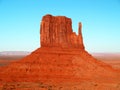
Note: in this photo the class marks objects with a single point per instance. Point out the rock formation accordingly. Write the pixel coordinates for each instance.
(56, 31)
(60, 59)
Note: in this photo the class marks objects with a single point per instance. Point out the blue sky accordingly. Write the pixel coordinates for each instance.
(20, 22)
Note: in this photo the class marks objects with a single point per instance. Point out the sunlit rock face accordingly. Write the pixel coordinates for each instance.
(56, 31)
(60, 59)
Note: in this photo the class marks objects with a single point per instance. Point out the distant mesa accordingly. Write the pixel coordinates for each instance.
(14, 53)
(61, 58)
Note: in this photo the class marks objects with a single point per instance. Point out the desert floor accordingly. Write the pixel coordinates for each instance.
(112, 59)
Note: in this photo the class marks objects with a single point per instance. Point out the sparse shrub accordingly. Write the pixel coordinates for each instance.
(49, 87)
(60, 88)
(8, 87)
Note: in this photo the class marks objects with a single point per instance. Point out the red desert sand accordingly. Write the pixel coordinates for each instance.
(61, 63)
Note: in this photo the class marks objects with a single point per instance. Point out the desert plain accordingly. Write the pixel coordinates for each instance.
(112, 59)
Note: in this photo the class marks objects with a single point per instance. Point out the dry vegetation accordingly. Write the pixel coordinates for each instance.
(86, 85)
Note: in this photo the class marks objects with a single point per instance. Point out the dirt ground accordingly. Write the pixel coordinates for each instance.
(114, 61)
(111, 58)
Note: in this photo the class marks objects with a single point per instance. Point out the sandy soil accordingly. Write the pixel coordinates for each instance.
(111, 58)
(83, 85)
(86, 85)
(5, 60)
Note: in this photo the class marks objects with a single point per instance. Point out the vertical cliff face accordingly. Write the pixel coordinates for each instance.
(56, 31)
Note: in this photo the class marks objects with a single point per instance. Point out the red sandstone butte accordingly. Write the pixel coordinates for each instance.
(56, 31)
(61, 58)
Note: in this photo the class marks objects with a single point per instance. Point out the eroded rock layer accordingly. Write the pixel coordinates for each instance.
(56, 31)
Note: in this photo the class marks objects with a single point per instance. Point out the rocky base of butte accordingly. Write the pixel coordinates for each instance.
(61, 61)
